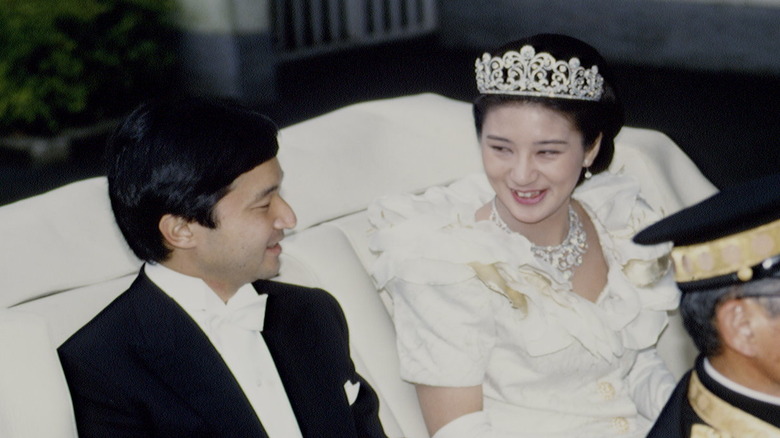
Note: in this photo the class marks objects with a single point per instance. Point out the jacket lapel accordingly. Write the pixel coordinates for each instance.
(175, 348)
(292, 364)
(313, 376)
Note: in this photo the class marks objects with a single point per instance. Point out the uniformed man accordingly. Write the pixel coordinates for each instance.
(727, 263)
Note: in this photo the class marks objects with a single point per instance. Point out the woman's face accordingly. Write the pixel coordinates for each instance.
(533, 157)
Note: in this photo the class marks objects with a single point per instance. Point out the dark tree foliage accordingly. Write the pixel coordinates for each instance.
(66, 63)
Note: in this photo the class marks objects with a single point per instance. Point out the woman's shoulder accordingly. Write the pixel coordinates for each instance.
(616, 200)
(455, 202)
(433, 237)
(616, 205)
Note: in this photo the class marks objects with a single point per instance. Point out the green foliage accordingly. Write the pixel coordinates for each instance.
(70, 62)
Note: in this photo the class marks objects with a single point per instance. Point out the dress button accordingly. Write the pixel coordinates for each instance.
(620, 424)
(606, 390)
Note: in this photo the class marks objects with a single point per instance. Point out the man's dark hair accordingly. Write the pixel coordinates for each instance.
(180, 157)
(698, 309)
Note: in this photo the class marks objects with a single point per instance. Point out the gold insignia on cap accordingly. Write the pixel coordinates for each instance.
(736, 253)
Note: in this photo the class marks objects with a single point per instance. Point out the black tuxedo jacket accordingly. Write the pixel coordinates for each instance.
(143, 368)
(678, 417)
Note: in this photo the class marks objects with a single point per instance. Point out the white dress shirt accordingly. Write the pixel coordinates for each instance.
(234, 330)
(736, 387)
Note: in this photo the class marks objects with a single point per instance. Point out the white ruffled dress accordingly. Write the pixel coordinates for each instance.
(472, 306)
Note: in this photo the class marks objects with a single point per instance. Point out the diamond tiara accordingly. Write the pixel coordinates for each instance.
(527, 73)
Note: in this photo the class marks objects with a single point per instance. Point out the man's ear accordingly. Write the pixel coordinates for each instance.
(735, 321)
(177, 231)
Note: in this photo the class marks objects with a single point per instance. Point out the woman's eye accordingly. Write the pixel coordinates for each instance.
(500, 148)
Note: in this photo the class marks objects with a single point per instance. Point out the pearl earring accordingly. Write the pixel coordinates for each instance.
(587, 173)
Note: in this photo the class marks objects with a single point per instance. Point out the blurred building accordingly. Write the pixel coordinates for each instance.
(233, 47)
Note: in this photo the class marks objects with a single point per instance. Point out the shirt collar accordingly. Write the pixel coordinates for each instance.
(194, 296)
(736, 387)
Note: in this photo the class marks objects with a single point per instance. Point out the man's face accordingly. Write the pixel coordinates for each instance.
(766, 329)
(750, 336)
(251, 219)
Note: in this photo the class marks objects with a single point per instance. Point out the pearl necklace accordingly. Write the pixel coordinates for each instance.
(564, 257)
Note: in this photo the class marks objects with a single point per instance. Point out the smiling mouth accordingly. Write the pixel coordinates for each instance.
(276, 245)
(527, 195)
(275, 249)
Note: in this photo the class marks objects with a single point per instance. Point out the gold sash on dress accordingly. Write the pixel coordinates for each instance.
(490, 276)
(723, 420)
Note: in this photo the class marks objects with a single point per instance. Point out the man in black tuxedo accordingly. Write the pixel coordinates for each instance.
(727, 264)
(202, 344)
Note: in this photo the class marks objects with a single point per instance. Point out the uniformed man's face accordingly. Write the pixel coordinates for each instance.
(765, 328)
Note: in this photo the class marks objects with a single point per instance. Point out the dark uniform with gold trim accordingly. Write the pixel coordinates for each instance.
(700, 407)
(729, 239)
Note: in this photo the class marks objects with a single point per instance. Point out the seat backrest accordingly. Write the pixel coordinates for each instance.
(60, 240)
(34, 399)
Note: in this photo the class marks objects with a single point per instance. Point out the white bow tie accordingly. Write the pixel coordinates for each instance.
(248, 315)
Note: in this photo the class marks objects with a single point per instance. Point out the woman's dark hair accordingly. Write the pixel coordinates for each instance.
(591, 118)
(180, 157)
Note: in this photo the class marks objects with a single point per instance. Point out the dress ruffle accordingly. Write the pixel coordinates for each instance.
(433, 238)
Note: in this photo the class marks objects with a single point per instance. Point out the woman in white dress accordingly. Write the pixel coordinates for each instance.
(521, 305)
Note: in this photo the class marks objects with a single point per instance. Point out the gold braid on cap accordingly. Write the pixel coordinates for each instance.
(527, 73)
(734, 254)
